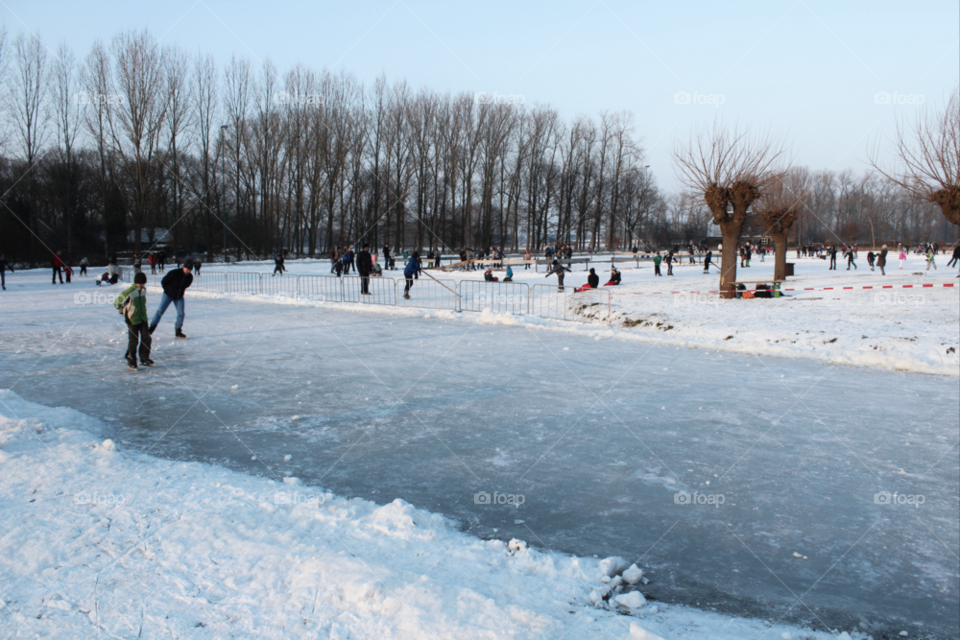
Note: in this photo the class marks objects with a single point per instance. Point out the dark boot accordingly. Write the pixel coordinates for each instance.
(180, 334)
(152, 328)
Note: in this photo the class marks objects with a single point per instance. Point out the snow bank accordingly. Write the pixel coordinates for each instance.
(97, 540)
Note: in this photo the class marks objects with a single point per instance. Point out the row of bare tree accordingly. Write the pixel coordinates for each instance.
(139, 136)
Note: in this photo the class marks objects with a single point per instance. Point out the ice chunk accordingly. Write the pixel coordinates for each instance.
(633, 574)
(291, 480)
(632, 600)
(612, 566)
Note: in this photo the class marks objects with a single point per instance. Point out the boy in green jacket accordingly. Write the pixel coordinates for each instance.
(132, 305)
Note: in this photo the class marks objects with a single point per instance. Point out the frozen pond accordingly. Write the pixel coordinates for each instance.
(605, 441)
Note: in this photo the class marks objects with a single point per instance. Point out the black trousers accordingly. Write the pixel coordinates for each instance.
(364, 283)
(138, 333)
(57, 272)
(406, 289)
(656, 270)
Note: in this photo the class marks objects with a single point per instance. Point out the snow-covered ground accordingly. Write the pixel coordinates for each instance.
(603, 434)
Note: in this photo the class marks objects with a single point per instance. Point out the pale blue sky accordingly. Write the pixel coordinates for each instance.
(810, 68)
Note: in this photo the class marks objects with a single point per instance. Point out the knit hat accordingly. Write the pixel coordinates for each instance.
(140, 278)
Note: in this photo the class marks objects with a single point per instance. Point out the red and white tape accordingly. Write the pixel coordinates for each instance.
(842, 288)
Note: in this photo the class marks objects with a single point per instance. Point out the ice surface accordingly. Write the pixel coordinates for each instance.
(605, 441)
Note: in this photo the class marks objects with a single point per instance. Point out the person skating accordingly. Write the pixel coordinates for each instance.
(278, 264)
(386, 256)
(84, 263)
(871, 257)
(833, 258)
(955, 258)
(903, 256)
(57, 268)
(162, 260)
(706, 261)
(931, 259)
(152, 259)
(4, 265)
(364, 266)
(132, 304)
(882, 260)
(669, 261)
(174, 284)
(557, 269)
(196, 267)
(656, 264)
(411, 271)
(526, 256)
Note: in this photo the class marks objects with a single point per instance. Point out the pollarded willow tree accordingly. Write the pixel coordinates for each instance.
(730, 168)
(780, 204)
(928, 158)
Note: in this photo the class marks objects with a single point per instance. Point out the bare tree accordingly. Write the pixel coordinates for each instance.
(66, 116)
(27, 95)
(928, 154)
(779, 206)
(730, 168)
(136, 123)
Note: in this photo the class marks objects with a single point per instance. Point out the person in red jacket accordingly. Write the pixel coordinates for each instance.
(57, 268)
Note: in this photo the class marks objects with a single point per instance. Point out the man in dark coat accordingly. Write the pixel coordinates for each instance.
(364, 267)
(174, 284)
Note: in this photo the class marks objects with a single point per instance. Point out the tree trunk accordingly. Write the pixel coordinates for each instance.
(728, 265)
(780, 255)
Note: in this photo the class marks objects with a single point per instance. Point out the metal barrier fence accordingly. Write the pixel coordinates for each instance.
(549, 301)
(518, 298)
(499, 297)
(429, 293)
(322, 288)
(278, 286)
(382, 290)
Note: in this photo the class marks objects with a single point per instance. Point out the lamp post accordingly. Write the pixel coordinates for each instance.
(223, 190)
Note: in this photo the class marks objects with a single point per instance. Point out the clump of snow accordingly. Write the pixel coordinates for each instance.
(612, 566)
(631, 600)
(517, 545)
(633, 574)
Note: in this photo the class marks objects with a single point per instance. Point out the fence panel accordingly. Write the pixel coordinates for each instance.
(427, 293)
(382, 290)
(499, 297)
(241, 282)
(322, 288)
(212, 282)
(278, 286)
(549, 301)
